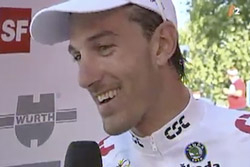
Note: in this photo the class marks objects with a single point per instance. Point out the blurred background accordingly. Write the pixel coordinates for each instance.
(215, 36)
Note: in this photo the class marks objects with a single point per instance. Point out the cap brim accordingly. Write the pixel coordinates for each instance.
(232, 72)
(51, 25)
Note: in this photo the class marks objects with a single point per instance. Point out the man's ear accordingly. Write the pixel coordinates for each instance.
(164, 42)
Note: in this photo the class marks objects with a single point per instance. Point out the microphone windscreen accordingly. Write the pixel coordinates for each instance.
(83, 154)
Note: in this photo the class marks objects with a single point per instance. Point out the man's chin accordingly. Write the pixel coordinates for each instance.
(114, 131)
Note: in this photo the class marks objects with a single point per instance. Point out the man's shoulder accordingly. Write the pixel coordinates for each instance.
(228, 120)
(239, 82)
(223, 111)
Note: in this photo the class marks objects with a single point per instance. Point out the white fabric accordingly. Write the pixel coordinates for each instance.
(234, 79)
(214, 127)
(50, 25)
(232, 72)
(232, 88)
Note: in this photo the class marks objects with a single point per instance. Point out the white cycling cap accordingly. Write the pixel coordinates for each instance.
(233, 72)
(51, 25)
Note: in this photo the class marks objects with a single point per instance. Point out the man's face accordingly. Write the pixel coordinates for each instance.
(232, 77)
(115, 66)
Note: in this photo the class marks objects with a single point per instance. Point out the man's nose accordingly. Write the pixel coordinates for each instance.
(89, 72)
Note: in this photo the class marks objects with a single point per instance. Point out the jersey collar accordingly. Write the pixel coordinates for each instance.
(174, 131)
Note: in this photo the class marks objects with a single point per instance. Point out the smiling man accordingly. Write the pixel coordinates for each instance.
(130, 62)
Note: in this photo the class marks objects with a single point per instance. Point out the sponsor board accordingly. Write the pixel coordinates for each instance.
(35, 119)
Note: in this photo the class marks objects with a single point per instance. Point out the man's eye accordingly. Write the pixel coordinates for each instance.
(77, 57)
(105, 50)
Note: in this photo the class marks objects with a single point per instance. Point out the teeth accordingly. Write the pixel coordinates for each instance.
(111, 94)
(106, 95)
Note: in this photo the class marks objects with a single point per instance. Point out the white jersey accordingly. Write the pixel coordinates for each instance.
(202, 135)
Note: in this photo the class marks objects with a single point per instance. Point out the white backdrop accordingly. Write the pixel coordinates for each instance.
(42, 108)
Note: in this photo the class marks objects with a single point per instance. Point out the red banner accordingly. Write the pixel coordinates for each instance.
(14, 30)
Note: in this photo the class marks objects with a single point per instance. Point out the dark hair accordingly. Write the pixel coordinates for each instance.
(149, 21)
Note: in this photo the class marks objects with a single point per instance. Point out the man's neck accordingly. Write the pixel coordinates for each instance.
(170, 103)
(234, 79)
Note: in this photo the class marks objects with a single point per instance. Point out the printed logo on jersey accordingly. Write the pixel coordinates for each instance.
(176, 129)
(137, 141)
(196, 152)
(105, 150)
(123, 163)
(243, 123)
(209, 164)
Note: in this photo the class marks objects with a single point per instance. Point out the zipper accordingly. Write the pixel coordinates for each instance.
(153, 145)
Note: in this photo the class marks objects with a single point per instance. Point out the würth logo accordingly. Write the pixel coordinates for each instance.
(35, 119)
(14, 30)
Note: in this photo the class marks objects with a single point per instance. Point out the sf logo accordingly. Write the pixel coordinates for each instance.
(176, 129)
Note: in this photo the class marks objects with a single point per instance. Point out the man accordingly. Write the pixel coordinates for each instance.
(237, 91)
(197, 95)
(129, 61)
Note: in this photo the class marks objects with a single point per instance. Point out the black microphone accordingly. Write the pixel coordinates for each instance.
(83, 154)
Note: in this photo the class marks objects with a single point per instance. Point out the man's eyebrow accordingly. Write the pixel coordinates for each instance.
(101, 35)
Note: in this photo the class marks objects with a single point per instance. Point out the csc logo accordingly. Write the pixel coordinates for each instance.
(176, 128)
(14, 30)
(241, 123)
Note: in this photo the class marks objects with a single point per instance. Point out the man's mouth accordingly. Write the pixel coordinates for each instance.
(107, 96)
